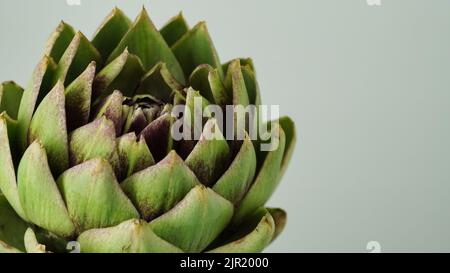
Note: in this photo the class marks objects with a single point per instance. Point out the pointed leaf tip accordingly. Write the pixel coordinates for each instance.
(93, 196)
(59, 41)
(145, 41)
(173, 30)
(110, 32)
(201, 216)
(10, 97)
(210, 156)
(78, 98)
(111, 108)
(8, 184)
(262, 228)
(49, 126)
(75, 59)
(123, 73)
(235, 84)
(39, 86)
(196, 48)
(132, 236)
(95, 140)
(159, 83)
(134, 155)
(159, 188)
(39, 195)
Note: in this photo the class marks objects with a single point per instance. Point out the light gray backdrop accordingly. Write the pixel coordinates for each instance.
(369, 89)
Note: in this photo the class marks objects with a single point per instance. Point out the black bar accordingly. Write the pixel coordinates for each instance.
(223, 262)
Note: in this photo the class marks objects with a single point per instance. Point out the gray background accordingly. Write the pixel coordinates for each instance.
(369, 88)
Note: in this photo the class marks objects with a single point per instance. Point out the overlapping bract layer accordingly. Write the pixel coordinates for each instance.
(86, 151)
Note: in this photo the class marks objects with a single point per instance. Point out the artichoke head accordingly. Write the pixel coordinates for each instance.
(87, 153)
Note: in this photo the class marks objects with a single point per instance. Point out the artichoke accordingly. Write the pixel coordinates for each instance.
(87, 152)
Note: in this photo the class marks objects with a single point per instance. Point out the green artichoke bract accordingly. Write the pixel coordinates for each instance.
(87, 153)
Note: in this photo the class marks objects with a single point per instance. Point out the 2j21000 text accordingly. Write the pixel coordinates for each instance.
(232, 263)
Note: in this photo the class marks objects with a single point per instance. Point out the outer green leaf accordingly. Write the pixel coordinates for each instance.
(93, 196)
(8, 185)
(11, 124)
(133, 236)
(208, 80)
(78, 98)
(96, 139)
(253, 236)
(251, 83)
(218, 90)
(196, 221)
(245, 62)
(193, 120)
(235, 82)
(199, 80)
(159, 83)
(174, 29)
(10, 97)
(192, 112)
(210, 156)
(134, 155)
(39, 195)
(196, 48)
(75, 59)
(12, 227)
(123, 74)
(31, 243)
(144, 40)
(236, 180)
(288, 126)
(111, 108)
(37, 89)
(110, 32)
(267, 179)
(279, 218)
(157, 189)
(49, 126)
(59, 41)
